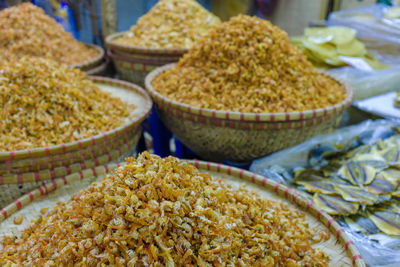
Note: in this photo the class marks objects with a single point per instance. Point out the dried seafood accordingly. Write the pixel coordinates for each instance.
(163, 212)
(170, 24)
(26, 30)
(362, 180)
(248, 65)
(43, 103)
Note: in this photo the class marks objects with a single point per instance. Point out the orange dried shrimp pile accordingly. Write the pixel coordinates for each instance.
(170, 24)
(248, 65)
(163, 212)
(27, 30)
(44, 103)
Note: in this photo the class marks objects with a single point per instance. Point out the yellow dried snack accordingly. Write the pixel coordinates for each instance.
(248, 65)
(26, 30)
(170, 24)
(163, 212)
(44, 103)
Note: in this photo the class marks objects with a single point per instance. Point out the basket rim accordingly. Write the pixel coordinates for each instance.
(247, 116)
(93, 61)
(152, 62)
(290, 194)
(110, 42)
(71, 146)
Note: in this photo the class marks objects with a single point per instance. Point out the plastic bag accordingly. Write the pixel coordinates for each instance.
(380, 34)
(279, 165)
(367, 84)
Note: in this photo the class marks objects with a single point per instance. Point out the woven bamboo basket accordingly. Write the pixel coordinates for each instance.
(22, 170)
(134, 63)
(92, 63)
(242, 137)
(99, 70)
(340, 249)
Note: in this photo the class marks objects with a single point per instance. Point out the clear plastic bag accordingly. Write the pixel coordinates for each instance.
(380, 34)
(369, 83)
(279, 165)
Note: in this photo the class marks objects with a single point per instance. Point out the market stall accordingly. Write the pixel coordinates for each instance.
(312, 120)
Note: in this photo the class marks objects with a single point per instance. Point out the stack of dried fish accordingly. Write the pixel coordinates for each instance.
(162, 212)
(397, 100)
(361, 184)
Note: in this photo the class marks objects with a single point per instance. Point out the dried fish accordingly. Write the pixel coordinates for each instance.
(387, 221)
(380, 185)
(356, 194)
(319, 187)
(306, 175)
(335, 205)
(361, 224)
(390, 174)
(357, 173)
(391, 154)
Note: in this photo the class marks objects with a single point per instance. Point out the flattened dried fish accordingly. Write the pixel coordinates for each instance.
(359, 150)
(391, 154)
(388, 222)
(356, 194)
(335, 205)
(319, 187)
(361, 224)
(390, 174)
(306, 175)
(380, 185)
(357, 173)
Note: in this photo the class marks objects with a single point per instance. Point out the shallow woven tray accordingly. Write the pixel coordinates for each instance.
(40, 163)
(130, 93)
(100, 69)
(87, 65)
(110, 43)
(241, 137)
(339, 247)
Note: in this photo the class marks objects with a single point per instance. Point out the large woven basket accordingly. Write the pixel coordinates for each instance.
(340, 249)
(93, 62)
(24, 169)
(134, 63)
(242, 137)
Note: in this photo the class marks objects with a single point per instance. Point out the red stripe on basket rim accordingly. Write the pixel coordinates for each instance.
(339, 232)
(29, 153)
(276, 187)
(47, 150)
(68, 168)
(294, 197)
(330, 221)
(208, 166)
(106, 167)
(18, 204)
(213, 114)
(4, 212)
(241, 173)
(93, 140)
(287, 116)
(348, 243)
(53, 174)
(41, 190)
(227, 115)
(64, 148)
(314, 113)
(31, 196)
(81, 175)
(253, 177)
(242, 116)
(228, 171)
(301, 115)
(325, 111)
(287, 190)
(272, 117)
(83, 165)
(263, 181)
(356, 257)
(12, 155)
(64, 179)
(96, 161)
(257, 117)
(309, 204)
(54, 185)
(46, 189)
(219, 167)
(37, 176)
(94, 171)
(20, 180)
(80, 144)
